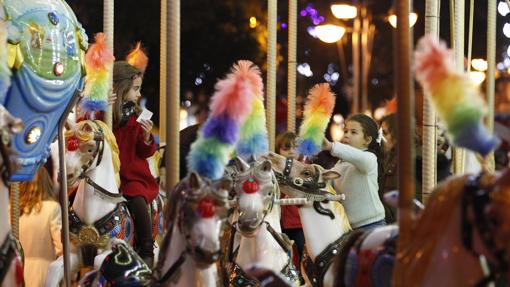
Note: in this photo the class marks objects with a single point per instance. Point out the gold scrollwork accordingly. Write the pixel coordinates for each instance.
(88, 235)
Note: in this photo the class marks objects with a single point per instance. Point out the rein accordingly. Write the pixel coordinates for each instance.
(477, 198)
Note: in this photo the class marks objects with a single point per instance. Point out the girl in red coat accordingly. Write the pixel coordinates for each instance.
(136, 144)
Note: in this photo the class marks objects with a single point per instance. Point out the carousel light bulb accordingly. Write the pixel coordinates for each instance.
(413, 17)
(344, 11)
(33, 135)
(329, 33)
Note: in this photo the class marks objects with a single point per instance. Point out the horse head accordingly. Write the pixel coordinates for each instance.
(256, 189)
(86, 145)
(198, 208)
(299, 179)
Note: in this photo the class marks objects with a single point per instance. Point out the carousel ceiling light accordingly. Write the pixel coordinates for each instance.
(479, 65)
(344, 11)
(506, 30)
(413, 17)
(477, 77)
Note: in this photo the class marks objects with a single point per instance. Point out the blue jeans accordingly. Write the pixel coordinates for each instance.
(371, 225)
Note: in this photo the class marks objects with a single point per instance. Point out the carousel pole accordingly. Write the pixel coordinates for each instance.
(491, 64)
(64, 201)
(405, 108)
(108, 27)
(162, 73)
(271, 72)
(458, 50)
(14, 198)
(173, 23)
(291, 89)
(429, 149)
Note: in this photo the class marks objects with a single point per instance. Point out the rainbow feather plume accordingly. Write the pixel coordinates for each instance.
(318, 109)
(137, 58)
(5, 71)
(253, 140)
(230, 105)
(454, 96)
(98, 60)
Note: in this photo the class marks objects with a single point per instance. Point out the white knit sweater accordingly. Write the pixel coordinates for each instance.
(358, 181)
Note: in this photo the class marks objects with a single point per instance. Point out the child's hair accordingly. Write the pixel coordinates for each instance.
(123, 76)
(32, 193)
(286, 140)
(391, 121)
(370, 129)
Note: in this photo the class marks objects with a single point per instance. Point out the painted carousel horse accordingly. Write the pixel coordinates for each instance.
(122, 267)
(45, 52)
(97, 213)
(197, 211)
(325, 222)
(11, 269)
(262, 242)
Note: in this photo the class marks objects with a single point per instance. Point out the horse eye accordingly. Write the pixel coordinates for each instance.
(90, 150)
(306, 173)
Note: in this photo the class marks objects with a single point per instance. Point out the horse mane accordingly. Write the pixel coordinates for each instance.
(337, 206)
(84, 135)
(431, 227)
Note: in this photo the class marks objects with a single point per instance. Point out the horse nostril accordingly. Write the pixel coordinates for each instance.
(70, 175)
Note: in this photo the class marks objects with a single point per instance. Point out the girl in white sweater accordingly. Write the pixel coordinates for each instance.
(359, 152)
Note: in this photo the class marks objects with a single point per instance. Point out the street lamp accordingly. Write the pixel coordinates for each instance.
(413, 17)
(344, 11)
(329, 33)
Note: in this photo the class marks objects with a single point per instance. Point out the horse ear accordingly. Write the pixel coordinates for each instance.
(330, 175)
(194, 180)
(87, 127)
(266, 166)
(241, 165)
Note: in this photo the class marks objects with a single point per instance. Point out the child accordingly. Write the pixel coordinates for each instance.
(40, 223)
(291, 222)
(136, 144)
(359, 153)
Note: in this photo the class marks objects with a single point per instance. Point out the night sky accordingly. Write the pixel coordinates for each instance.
(215, 34)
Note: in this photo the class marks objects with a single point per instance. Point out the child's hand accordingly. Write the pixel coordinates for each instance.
(147, 128)
(326, 145)
(112, 97)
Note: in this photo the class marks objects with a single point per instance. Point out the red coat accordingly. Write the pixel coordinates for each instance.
(290, 216)
(135, 176)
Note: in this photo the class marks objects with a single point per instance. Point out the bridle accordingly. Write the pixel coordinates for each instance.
(183, 199)
(312, 190)
(98, 152)
(477, 198)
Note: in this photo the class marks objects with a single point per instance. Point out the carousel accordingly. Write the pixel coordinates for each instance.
(220, 225)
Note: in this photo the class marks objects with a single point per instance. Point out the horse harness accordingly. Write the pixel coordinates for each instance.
(298, 183)
(97, 234)
(239, 278)
(477, 198)
(8, 252)
(315, 270)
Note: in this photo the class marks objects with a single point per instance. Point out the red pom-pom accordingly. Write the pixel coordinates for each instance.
(250, 185)
(72, 144)
(206, 208)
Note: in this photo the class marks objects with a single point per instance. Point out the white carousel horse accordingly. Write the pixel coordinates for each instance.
(11, 271)
(324, 223)
(261, 243)
(97, 213)
(197, 211)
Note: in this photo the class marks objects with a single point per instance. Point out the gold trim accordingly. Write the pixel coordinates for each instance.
(89, 235)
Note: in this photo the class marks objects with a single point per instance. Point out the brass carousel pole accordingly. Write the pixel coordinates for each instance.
(429, 147)
(291, 89)
(108, 28)
(173, 23)
(405, 108)
(162, 73)
(271, 72)
(491, 64)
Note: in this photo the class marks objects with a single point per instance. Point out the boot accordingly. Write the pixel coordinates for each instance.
(147, 252)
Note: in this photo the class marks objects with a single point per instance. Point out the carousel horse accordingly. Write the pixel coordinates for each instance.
(262, 242)
(122, 267)
(45, 50)
(11, 269)
(197, 210)
(325, 223)
(97, 213)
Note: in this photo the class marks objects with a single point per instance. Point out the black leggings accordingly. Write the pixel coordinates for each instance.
(143, 225)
